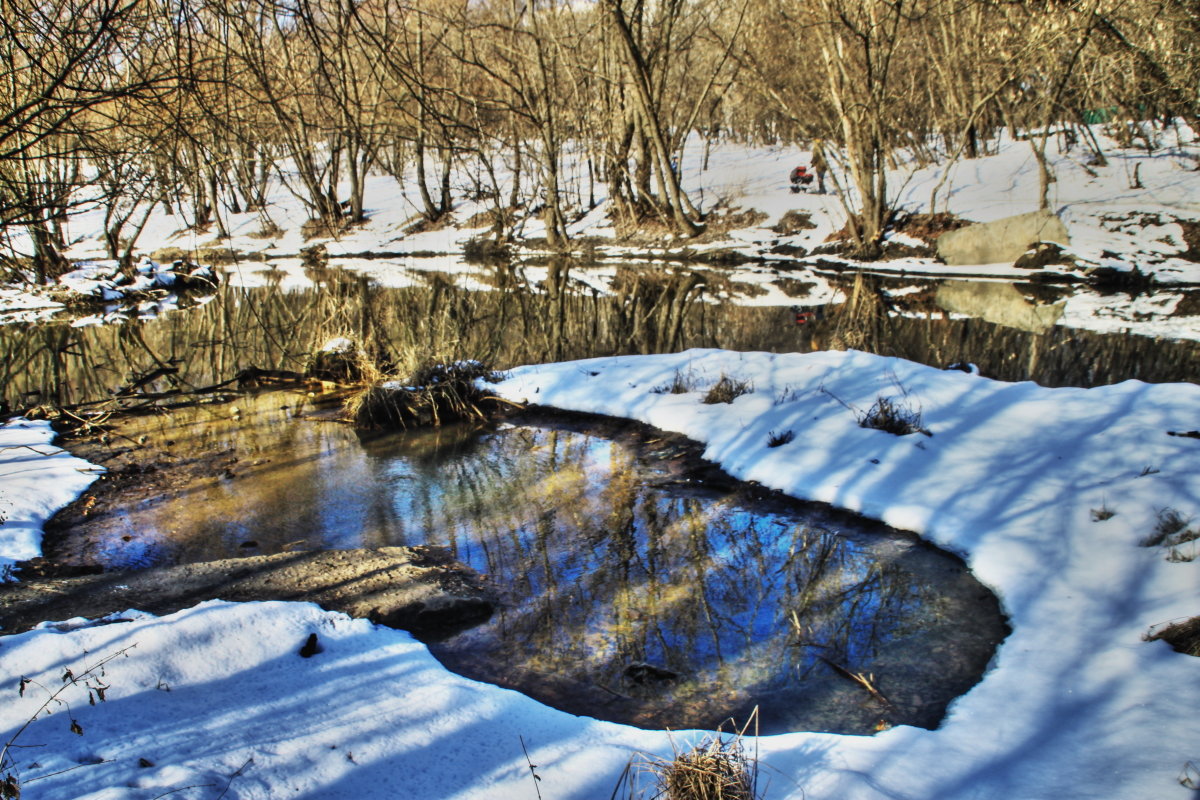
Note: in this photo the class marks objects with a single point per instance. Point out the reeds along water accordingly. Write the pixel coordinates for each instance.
(649, 309)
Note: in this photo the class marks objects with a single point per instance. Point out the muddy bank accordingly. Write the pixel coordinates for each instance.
(420, 589)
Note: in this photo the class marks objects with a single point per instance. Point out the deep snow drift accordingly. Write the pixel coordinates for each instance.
(1048, 494)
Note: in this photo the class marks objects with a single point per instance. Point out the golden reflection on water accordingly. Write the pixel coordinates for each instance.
(649, 310)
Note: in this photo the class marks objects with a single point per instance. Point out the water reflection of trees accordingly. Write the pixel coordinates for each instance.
(680, 609)
(532, 315)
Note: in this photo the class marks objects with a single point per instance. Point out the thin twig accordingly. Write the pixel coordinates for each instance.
(532, 768)
(245, 764)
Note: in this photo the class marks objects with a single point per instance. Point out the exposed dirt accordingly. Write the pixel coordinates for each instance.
(420, 589)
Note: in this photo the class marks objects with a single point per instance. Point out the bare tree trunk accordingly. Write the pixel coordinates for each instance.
(639, 72)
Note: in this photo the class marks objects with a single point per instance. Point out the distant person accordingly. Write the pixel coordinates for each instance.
(819, 164)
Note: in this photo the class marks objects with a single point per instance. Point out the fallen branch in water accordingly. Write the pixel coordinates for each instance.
(865, 681)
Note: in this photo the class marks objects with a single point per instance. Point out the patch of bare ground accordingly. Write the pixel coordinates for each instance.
(421, 589)
(794, 222)
(926, 227)
(1188, 305)
(1191, 237)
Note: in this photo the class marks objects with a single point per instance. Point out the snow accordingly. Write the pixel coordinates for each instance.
(36, 479)
(1075, 705)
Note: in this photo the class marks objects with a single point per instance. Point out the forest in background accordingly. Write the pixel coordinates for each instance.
(198, 106)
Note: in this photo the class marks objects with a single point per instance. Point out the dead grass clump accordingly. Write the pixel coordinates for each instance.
(793, 222)
(716, 769)
(217, 256)
(314, 256)
(679, 384)
(323, 228)
(780, 439)
(484, 250)
(167, 255)
(726, 390)
(1111, 280)
(268, 230)
(341, 360)
(795, 288)
(718, 223)
(1171, 530)
(1183, 636)
(892, 416)
(434, 394)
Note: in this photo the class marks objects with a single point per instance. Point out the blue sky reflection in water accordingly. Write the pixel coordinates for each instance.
(631, 592)
(639, 598)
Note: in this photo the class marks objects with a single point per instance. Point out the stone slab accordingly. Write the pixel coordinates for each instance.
(1001, 241)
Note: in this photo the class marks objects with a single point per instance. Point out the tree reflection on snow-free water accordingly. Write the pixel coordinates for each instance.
(631, 591)
(557, 315)
(635, 600)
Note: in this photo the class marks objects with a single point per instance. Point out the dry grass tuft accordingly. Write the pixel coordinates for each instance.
(434, 394)
(679, 384)
(1183, 636)
(779, 439)
(716, 769)
(1170, 530)
(344, 362)
(892, 416)
(726, 390)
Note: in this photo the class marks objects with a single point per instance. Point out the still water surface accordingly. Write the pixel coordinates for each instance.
(520, 321)
(631, 591)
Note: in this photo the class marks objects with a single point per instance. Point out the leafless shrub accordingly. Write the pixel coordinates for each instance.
(892, 416)
(87, 682)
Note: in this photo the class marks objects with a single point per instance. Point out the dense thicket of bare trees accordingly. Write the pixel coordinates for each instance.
(200, 106)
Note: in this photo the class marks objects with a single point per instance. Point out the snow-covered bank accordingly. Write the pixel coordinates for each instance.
(1018, 478)
(1114, 221)
(36, 479)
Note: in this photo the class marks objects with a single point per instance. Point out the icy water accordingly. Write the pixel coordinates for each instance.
(632, 591)
(511, 317)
